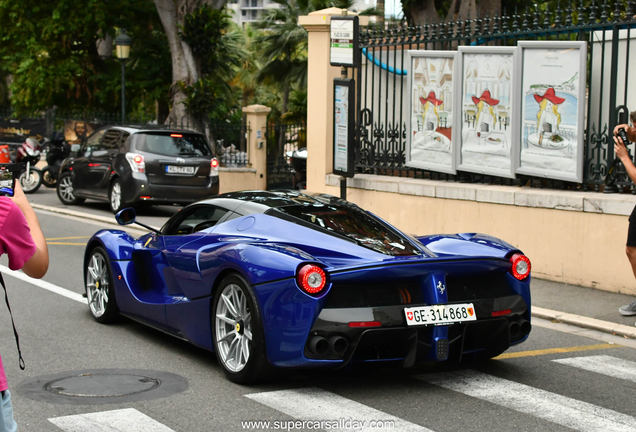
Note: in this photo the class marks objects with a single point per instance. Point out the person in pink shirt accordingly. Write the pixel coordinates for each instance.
(22, 240)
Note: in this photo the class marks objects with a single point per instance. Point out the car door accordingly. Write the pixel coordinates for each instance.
(184, 237)
(80, 164)
(100, 163)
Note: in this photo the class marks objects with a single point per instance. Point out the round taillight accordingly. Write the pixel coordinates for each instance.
(520, 266)
(214, 163)
(138, 159)
(312, 279)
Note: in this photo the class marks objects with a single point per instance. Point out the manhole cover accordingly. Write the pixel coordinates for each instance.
(102, 385)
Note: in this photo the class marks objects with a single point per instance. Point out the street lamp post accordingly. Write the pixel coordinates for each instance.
(122, 45)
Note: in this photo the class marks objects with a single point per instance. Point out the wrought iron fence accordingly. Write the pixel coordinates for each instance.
(284, 168)
(229, 138)
(382, 87)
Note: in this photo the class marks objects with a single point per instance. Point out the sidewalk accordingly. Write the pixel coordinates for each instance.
(583, 307)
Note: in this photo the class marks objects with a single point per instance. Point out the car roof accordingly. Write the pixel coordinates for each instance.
(259, 201)
(132, 129)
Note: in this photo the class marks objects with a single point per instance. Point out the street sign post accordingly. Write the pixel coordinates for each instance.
(343, 126)
(344, 41)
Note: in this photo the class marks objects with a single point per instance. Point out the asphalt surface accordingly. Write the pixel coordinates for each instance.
(529, 388)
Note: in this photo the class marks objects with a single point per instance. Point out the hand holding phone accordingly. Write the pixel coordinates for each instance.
(8, 175)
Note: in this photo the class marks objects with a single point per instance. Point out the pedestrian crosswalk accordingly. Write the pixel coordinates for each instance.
(317, 409)
(568, 412)
(317, 404)
(604, 365)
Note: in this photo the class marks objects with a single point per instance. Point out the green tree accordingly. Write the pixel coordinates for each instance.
(51, 51)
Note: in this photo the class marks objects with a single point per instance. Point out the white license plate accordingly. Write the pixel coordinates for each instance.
(440, 314)
(171, 169)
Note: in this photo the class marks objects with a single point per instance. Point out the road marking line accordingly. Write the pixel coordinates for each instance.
(65, 243)
(314, 404)
(549, 406)
(44, 284)
(605, 365)
(123, 420)
(66, 238)
(555, 351)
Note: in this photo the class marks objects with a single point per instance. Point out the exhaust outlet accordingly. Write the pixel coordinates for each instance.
(318, 345)
(338, 345)
(514, 329)
(525, 327)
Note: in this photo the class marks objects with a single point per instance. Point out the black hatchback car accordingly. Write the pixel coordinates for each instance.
(127, 165)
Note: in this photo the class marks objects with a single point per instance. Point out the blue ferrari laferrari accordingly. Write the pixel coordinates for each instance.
(292, 279)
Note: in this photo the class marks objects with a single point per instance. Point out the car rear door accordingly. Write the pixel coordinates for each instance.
(82, 175)
(101, 162)
(178, 159)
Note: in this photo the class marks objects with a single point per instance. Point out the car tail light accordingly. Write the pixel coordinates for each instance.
(176, 135)
(137, 162)
(520, 266)
(311, 279)
(214, 167)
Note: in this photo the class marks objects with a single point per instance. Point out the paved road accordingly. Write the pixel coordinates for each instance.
(561, 379)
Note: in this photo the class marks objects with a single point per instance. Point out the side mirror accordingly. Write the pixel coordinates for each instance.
(75, 148)
(126, 216)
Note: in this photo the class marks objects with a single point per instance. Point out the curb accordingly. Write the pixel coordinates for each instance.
(585, 322)
(81, 215)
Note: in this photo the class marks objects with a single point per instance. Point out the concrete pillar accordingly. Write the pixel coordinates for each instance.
(320, 96)
(257, 143)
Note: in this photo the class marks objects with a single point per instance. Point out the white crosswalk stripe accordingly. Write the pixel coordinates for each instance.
(313, 404)
(123, 420)
(549, 406)
(603, 364)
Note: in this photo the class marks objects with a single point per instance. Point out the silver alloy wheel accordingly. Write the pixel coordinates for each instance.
(233, 328)
(97, 284)
(115, 196)
(66, 189)
(31, 182)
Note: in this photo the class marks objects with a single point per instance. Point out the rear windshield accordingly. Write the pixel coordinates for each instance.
(350, 222)
(173, 144)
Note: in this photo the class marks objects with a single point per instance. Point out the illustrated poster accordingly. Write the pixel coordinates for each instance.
(431, 111)
(486, 113)
(551, 104)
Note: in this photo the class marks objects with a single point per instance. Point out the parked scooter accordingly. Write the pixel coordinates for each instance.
(58, 150)
(29, 154)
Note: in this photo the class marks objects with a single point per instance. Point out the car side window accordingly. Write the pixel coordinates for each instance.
(198, 219)
(111, 140)
(92, 142)
(122, 141)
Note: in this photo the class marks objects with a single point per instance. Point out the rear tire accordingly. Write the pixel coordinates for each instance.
(48, 178)
(33, 182)
(100, 291)
(115, 197)
(65, 191)
(237, 332)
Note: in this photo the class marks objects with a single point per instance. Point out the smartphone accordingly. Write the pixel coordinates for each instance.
(8, 174)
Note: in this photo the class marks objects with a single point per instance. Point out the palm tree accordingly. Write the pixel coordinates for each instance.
(283, 47)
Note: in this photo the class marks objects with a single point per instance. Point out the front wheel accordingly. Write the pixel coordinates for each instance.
(66, 191)
(237, 332)
(31, 183)
(48, 178)
(100, 291)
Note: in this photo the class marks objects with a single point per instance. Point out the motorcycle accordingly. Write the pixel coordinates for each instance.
(29, 154)
(58, 150)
